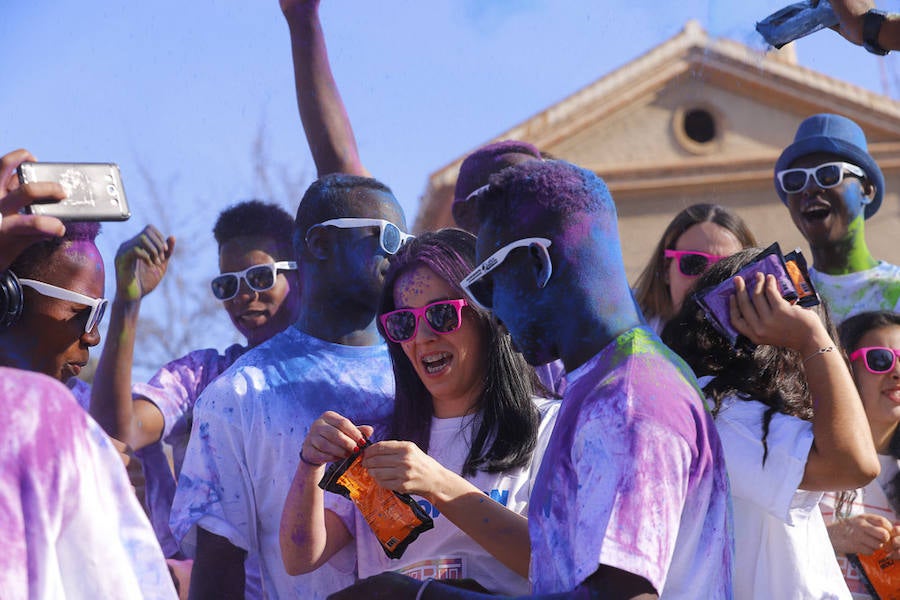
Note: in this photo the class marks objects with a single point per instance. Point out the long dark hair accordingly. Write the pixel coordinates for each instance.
(651, 290)
(851, 332)
(509, 419)
(772, 375)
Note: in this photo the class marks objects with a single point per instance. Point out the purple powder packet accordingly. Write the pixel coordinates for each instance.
(714, 301)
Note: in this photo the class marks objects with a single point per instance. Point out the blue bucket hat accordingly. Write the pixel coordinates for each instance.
(833, 134)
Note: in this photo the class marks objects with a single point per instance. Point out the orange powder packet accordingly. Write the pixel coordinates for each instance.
(396, 519)
(795, 264)
(882, 574)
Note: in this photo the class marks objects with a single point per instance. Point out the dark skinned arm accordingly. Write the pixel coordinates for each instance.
(322, 112)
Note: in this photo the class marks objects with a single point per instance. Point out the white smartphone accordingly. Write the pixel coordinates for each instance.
(94, 191)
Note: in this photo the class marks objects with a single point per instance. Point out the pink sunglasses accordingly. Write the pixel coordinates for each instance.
(443, 316)
(878, 360)
(692, 263)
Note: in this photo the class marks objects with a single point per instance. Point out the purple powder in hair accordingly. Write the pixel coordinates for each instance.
(478, 167)
(82, 231)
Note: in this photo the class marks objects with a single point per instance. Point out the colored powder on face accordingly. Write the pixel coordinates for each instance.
(859, 258)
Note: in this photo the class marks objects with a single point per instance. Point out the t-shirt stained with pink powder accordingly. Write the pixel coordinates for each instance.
(633, 478)
(70, 523)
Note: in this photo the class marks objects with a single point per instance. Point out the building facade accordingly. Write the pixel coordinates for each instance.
(698, 120)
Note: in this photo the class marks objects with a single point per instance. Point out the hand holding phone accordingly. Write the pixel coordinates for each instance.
(94, 191)
(18, 231)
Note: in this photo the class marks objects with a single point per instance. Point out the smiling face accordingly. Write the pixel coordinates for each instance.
(827, 216)
(259, 315)
(49, 338)
(704, 237)
(452, 366)
(880, 393)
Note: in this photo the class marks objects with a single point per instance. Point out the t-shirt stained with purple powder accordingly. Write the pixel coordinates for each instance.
(249, 425)
(70, 522)
(633, 478)
(174, 390)
(81, 390)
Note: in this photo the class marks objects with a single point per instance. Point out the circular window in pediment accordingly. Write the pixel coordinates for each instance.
(697, 128)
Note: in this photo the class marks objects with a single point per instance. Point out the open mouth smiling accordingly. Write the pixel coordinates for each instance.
(815, 210)
(436, 362)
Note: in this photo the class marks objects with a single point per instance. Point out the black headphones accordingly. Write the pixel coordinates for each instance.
(11, 299)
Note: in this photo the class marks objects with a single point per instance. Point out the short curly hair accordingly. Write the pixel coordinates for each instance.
(256, 218)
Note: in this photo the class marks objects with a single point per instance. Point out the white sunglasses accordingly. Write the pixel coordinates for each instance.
(480, 287)
(390, 237)
(98, 305)
(259, 278)
(827, 175)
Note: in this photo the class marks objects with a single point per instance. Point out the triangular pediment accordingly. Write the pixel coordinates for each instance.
(631, 125)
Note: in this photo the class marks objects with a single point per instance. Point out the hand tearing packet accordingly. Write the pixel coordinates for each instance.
(793, 281)
(396, 519)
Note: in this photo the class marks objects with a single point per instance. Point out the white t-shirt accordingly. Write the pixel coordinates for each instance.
(782, 549)
(249, 425)
(71, 525)
(445, 552)
(872, 499)
(877, 288)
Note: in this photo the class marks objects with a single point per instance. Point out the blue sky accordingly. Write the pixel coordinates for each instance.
(181, 92)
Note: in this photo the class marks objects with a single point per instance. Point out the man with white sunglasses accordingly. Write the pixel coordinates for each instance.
(831, 186)
(250, 423)
(61, 281)
(72, 525)
(631, 499)
(259, 290)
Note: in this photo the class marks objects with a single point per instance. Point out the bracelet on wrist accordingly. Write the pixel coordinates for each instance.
(421, 591)
(818, 352)
(308, 462)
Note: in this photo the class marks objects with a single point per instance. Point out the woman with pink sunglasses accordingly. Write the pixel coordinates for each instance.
(865, 520)
(698, 236)
(465, 439)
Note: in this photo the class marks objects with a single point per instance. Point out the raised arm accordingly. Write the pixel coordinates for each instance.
(403, 467)
(141, 263)
(850, 14)
(322, 112)
(309, 534)
(843, 455)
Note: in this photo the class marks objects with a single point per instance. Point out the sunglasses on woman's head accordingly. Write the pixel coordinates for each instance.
(878, 360)
(692, 263)
(259, 278)
(443, 316)
(98, 305)
(826, 175)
